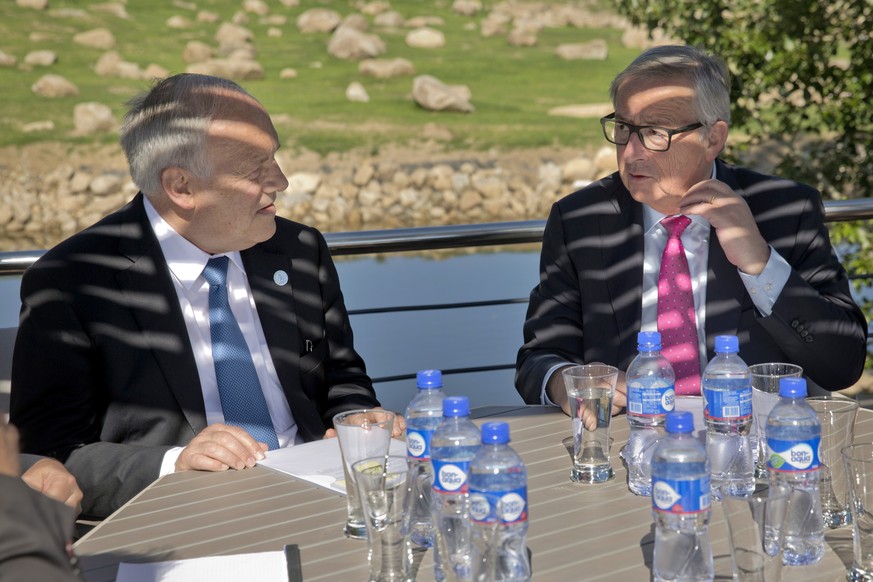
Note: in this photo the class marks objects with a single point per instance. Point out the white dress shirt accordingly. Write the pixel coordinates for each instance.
(186, 263)
(764, 289)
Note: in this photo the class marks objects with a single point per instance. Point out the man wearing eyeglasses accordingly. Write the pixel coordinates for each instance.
(755, 256)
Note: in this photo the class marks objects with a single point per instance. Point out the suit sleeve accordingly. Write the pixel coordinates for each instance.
(59, 399)
(815, 321)
(34, 534)
(553, 325)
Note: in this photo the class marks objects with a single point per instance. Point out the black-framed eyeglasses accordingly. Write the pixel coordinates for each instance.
(653, 138)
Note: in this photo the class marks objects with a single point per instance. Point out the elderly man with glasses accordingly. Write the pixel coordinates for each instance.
(679, 242)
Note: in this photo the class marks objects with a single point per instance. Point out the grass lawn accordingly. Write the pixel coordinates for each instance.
(512, 87)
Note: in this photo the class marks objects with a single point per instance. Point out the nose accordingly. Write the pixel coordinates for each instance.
(634, 148)
(276, 180)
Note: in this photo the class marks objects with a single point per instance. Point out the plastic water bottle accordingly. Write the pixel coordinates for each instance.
(650, 396)
(793, 440)
(423, 415)
(498, 508)
(453, 445)
(727, 396)
(681, 504)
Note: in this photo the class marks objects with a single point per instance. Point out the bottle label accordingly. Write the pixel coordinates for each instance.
(680, 496)
(790, 456)
(650, 401)
(728, 404)
(510, 507)
(418, 443)
(450, 476)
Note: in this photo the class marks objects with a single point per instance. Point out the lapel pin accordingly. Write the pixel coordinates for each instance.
(280, 278)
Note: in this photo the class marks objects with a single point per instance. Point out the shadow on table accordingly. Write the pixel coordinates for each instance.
(104, 567)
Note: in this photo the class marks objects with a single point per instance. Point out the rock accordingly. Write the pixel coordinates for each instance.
(356, 93)
(605, 161)
(105, 184)
(425, 38)
(178, 22)
(35, 4)
(303, 182)
(197, 52)
(98, 38)
(432, 94)
(258, 7)
(128, 70)
(386, 68)
(240, 17)
(356, 21)
(466, 7)
(376, 7)
(53, 86)
(318, 20)
(351, 44)
(35, 126)
(108, 63)
(389, 19)
(522, 37)
(577, 169)
(232, 68)
(290, 3)
(436, 132)
(155, 71)
(582, 111)
(114, 8)
(596, 50)
(422, 21)
(230, 36)
(208, 16)
(274, 32)
(7, 60)
(91, 117)
(495, 24)
(41, 58)
(288, 73)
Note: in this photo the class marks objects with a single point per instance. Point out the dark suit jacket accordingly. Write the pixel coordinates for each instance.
(587, 306)
(34, 533)
(103, 374)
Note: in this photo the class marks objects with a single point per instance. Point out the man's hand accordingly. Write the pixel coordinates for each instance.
(398, 427)
(9, 462)
(51, 478)
(733, 222)
(219, 447)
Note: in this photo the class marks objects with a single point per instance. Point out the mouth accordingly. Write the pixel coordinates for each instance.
(268, 209)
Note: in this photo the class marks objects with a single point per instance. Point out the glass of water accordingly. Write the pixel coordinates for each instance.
(590, 390)
(765, 394)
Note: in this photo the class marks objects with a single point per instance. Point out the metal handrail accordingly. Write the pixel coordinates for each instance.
(451, 236)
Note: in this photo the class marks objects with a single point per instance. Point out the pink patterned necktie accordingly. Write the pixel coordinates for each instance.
(676, 320)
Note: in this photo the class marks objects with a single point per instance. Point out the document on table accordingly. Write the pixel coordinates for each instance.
(261, 566)
(319, 462)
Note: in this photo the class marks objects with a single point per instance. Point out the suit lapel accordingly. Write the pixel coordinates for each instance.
(148, 288)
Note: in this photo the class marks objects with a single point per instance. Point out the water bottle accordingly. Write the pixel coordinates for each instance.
(423, 415)
(681, 504)
(727, 397)
(498, 509)
(793, 440)
(453, 445)
(650, 396)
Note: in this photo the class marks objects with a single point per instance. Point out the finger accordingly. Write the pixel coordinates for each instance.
(239, 441)
(330, 434)
(193, 460)
(399, 427)
(218, 447)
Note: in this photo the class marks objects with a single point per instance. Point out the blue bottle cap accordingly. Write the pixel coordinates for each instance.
(648, 340)
(792, 387)
(680, 422)
(495, 433)
(729, 344)
(426, 379)
(454, 406)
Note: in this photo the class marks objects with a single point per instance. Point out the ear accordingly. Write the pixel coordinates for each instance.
(716, 139)
(176, 183)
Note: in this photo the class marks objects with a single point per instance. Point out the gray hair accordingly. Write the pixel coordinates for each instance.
(167, 127)
(708, 73)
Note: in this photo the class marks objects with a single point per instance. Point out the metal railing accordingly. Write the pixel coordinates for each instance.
(451, 236)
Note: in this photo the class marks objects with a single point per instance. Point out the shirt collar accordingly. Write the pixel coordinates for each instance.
(185, 260)
(652, 218)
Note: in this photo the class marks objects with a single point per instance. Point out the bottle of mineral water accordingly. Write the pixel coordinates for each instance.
(423, 415)
(453, 445)
(681, 504)
(498, 508)
(793, 439)
(727, 396)
(650, 396)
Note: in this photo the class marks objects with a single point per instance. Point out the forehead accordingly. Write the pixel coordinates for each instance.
(654, 100)
(242, 126)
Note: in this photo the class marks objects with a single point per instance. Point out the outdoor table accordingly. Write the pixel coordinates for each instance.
(195, 514)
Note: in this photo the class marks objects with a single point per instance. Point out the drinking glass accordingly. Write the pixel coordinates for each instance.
(837, 418)
(858, 460)
(362, 434)
(755, 524)
(590, 390)
(383, 489)
(765, 394)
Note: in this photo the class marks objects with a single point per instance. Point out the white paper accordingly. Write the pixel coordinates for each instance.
(261, 566)
(319, 462)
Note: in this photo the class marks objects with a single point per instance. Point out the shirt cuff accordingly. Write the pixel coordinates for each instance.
(544, 394)
(765, 288)
(168, 465)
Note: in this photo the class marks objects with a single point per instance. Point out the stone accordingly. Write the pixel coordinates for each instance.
(595, 50)
(432, 94)
(208, 16)
(318, 20)
(105, 184)
(53, 86)
(35, 4)
(37, 126)
(116, 9)
(80, 181)
(386, 68)
(275, 20)
(128, 70)
(422, 21)
(363, 174)
(351, 44)
(91, 117)
(98, 38)
(605, 161)
(356, 93)
(108, 64)
(197, 52)
(178, 22)
(376, 7)
(495, 25)
(155, 71)
(522, 37)
(240, 17)
(233, 35)
(425, 38)
(290, 3)
(577, 169)
(288, 73)
(469, 199)
(436, 132)
(274, 32)
(582, 111)
(258, 7)
(41, 58)
(7, 60)
(303, 182)
(356, 21)
(389, 19)
(466, 7)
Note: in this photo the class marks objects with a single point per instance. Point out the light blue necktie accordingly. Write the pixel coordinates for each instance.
(242, 399)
